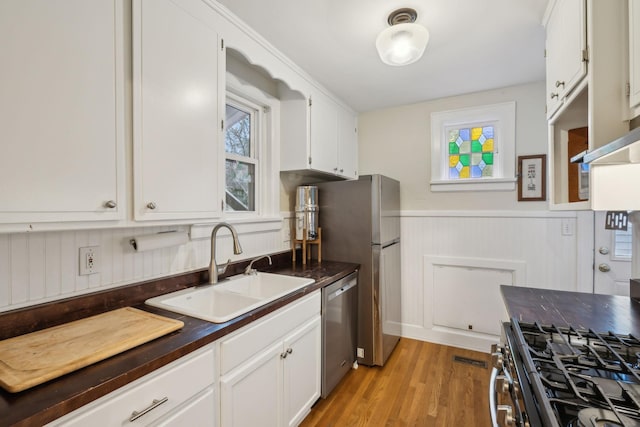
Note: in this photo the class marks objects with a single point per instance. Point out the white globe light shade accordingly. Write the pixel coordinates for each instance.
(402, 44)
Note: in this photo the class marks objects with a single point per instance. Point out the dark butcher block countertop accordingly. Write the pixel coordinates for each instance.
(602, 313)
(46, 402)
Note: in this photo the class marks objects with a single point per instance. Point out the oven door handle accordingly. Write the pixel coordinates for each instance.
(493, 407)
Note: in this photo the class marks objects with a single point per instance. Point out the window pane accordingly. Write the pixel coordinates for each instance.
(240, 186)
(623, 243)
(237, 137)
(471, 152)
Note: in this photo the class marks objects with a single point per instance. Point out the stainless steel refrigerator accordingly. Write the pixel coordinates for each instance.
(360, 222)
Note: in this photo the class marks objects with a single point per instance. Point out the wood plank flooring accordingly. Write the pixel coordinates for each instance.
(420, 385)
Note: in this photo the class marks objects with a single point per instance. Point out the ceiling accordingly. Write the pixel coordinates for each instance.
(474, 45)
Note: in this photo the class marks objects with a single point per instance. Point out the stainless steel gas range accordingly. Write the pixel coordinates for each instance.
(546, 376)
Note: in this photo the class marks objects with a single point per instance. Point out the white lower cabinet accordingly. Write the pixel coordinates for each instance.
(271, 369)
(179, 394)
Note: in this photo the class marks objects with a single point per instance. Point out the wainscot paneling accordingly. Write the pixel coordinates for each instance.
(44, 266)
(455, 261)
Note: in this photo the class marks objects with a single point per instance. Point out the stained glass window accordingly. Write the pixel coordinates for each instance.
(471, 151)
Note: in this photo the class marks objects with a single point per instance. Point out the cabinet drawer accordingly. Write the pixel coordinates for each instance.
(245, 343)
(177, 382)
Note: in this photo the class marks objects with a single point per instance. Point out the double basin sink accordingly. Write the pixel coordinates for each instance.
(230, 298)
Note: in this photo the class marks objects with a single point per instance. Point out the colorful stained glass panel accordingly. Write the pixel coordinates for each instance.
(471, 152)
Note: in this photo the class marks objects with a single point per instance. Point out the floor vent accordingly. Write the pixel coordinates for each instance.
(473, 362)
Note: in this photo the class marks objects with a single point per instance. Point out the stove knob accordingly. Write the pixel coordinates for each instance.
(502, 385)
(515, 386)
(505, 416)
(497, 360)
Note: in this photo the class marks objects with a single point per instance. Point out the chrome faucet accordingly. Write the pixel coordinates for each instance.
(250, 270)
(214, 269)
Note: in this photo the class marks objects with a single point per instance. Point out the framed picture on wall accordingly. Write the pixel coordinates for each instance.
(532, 174)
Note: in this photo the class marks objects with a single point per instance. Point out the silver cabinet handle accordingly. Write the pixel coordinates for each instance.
(110, 204)
(156, 402)
(151, 205)
(289, 350)
(554, 95)
(559, 83)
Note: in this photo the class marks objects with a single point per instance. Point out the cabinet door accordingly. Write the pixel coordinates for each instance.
(177, 73)
(324, 134)
(634, 53)
(251, 395)
(198, 411)
(347, 144)
(302, 370)
(566, 41)
(61, 110)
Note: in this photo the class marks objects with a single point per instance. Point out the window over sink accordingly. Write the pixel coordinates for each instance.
(251, 151)
(241, 140)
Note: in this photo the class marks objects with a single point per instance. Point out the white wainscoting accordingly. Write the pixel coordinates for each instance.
(44, 266)
(454, 262)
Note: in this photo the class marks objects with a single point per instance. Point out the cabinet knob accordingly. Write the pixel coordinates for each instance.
(554, 95)
(335, 169)
(110, 204)
(559, 83)
(151, 205)
(341, 170)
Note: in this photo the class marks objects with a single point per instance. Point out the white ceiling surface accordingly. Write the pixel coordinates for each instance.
(474, 45)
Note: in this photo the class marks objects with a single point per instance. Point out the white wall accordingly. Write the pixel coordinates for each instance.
(397, 142)
(459, 247)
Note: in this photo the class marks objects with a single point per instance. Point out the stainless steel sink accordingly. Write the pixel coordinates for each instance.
(230, 298)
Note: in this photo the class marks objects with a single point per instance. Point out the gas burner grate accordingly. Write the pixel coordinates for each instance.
(574, 370)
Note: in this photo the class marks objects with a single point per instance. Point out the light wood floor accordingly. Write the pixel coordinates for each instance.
(420, 385)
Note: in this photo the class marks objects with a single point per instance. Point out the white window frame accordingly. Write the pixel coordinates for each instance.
(257, 136)
(502, 117)
(267, 148)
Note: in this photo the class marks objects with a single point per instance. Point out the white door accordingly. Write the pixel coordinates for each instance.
(612, 258)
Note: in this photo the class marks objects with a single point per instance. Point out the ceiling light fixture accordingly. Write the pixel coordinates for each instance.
(404, 41)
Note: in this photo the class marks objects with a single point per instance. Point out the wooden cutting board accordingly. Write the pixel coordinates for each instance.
(31, 359)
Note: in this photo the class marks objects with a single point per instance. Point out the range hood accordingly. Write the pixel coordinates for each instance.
(623, 150)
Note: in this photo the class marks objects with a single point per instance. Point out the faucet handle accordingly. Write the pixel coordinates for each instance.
(222, 268)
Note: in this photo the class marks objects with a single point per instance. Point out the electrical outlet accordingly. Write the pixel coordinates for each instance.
(89, 260)
(360, 352)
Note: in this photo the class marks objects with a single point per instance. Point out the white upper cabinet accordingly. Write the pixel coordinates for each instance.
(178, 91)
(325, 143)
(61, 111)
(323, 134)
(566, 50)
(347, 143)
(594, 110)
(634, 56)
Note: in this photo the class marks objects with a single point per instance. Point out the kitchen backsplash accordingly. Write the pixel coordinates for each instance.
(42, 267)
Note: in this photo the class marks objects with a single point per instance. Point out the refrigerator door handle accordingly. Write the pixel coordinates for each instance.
(391, 243)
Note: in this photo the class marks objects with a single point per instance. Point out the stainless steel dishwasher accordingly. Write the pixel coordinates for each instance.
(339, 330)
